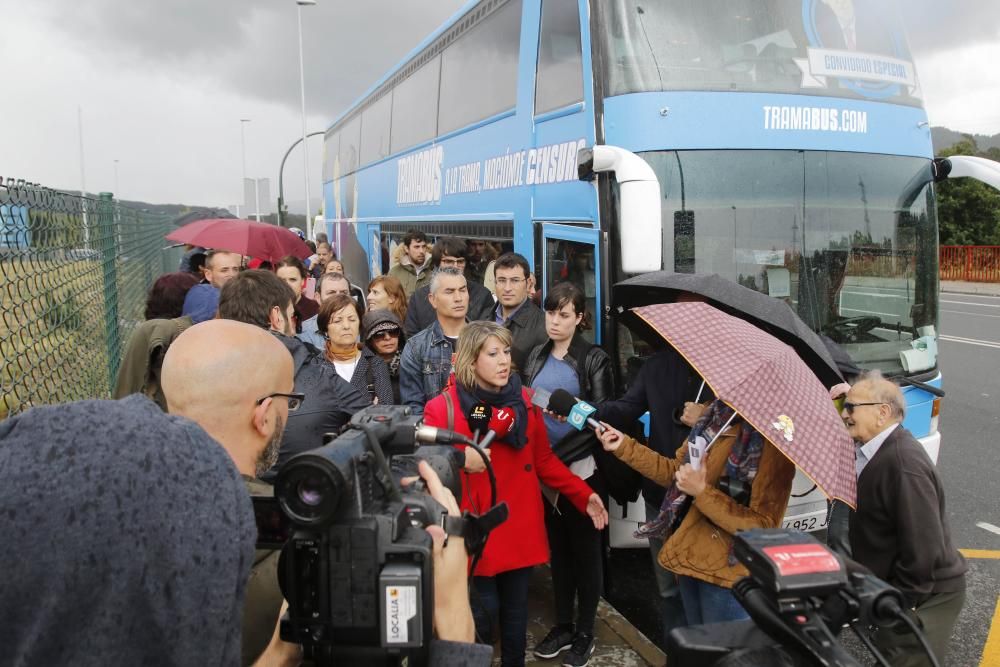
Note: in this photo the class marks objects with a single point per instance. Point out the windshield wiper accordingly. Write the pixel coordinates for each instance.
(930, 389)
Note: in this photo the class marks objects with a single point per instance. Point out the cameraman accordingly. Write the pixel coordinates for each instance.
(235, 381)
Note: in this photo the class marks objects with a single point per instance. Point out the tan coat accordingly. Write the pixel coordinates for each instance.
(408, 277)
(700, 547)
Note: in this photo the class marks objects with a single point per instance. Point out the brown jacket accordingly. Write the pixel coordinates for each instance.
(700, 547)
(411, 277)
(143, 359)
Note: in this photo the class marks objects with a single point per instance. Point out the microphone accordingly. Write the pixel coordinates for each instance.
(577, 413)
(479, 420)
(501, 423)
(431, 435)
(541, 398)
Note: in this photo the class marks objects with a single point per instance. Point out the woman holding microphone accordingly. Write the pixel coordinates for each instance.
(521, 456)
(742, 482)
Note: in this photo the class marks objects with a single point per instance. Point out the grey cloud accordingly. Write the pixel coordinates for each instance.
(966, 22)
(251, 46)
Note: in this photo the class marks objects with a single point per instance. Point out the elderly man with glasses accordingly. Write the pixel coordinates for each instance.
(900, 529)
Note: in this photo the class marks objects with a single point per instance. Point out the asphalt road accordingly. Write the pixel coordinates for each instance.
(969, 465)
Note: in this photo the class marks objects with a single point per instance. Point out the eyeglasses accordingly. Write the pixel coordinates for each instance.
(294, 400)
(388, 333)
(450, 261)
(850, 406)
(513, 282)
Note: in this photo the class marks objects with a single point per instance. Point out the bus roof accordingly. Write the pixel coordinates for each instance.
(427, 41)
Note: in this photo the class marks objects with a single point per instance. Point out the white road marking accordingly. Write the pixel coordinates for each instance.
(969, 303)
(970, 341)
(988, 526)
(962, 312)
(974, 296)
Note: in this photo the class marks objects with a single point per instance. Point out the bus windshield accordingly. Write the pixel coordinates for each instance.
(849, 240)
(839, 48)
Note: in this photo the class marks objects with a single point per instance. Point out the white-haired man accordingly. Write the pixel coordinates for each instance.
(900, 529)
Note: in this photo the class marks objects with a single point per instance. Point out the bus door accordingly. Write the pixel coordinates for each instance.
(571, 253)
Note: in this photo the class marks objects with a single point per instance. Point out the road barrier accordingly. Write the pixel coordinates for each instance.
(74, 274)
(975, 263)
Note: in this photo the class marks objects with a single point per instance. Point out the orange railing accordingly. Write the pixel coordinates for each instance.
(977, 263)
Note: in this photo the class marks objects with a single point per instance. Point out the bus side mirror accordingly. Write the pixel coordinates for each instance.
(957, 166)
(640, 225)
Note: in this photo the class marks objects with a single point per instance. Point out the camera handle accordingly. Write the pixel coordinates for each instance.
(798, 627)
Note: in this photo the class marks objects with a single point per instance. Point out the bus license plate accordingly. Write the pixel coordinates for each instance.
(807, 523)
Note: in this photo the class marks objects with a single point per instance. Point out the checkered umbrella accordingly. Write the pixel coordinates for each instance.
(766, 382)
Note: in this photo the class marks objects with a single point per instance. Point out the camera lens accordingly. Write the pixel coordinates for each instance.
(310, 491)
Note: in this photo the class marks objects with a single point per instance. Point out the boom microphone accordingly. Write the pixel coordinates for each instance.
(577, 413)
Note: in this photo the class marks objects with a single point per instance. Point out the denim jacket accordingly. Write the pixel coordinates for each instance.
(424, 367)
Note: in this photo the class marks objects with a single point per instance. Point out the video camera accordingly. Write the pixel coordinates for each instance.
(356, 565)
(799, 596)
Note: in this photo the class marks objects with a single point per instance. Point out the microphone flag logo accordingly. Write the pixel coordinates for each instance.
(577, 417)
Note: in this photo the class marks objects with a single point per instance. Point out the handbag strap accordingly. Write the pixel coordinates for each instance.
(451, 410)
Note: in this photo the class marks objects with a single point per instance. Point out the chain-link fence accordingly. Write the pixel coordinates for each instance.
(74, 273)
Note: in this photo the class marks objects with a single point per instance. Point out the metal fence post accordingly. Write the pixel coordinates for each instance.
(109, 246)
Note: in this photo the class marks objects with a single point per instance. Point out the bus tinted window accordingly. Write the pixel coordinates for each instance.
(375, 123)
(479, 71)
(560, 61)
(844, 48)
(848, 239)
(350, 140)
(414, 107)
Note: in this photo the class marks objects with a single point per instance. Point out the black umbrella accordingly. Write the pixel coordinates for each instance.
(768, 313)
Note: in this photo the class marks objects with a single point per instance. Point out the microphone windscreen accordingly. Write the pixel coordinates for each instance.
(502, 422)
(479, 417)
(561, 402)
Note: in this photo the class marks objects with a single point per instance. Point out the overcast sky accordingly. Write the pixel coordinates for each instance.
(163, 84)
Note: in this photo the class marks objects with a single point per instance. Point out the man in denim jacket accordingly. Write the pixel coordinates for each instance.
(426, 362)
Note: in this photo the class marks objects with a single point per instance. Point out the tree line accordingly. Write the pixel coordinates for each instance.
(968, 210)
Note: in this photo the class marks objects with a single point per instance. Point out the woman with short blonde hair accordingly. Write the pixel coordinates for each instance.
(521, 457)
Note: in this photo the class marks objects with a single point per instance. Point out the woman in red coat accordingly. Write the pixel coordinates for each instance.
(484, 374)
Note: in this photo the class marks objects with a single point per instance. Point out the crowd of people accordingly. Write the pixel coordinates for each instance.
(450, 328)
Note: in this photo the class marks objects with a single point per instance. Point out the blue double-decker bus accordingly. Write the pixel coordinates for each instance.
(780, 143)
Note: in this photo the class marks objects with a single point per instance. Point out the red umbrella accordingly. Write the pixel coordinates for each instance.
(766, 382)
(256, 239)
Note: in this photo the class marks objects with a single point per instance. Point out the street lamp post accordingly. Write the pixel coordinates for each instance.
(281, 179)
(117, 194)
(243, 150)
(305, 146)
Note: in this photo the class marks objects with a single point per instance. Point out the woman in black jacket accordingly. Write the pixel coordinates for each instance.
(340, 319)
(567, 361)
